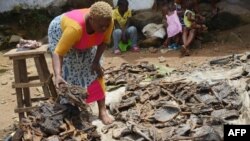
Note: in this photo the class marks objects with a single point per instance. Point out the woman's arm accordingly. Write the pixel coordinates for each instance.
(200, 18)
(165, 23)
(117, 25)
(99, 52)
(96, 67)
(128, 23)
(57, 64)
(57, 67)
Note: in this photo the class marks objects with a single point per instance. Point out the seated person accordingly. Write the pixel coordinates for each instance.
(180, 8)
(193, 23)
(123, 31)
(173, 26)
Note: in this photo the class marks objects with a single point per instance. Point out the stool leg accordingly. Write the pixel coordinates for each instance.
(19, 93)
(24, 78)
(42, 76)
(47, 74)
(52, 89)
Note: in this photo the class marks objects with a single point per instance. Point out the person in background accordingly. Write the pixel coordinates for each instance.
(180, 8)
(173, 26)
(193, 23)
(123, 31)
(77, 40)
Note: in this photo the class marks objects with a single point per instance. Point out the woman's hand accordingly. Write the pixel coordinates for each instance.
(124, 38)
(59, 80)
(96, 67)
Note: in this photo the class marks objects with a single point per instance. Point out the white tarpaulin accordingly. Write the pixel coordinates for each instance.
(154, 30)
(138, 4)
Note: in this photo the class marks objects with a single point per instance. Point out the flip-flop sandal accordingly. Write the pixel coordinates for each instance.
(187, 52)
(177, 47)
(183, 49)
(172, 46)
(135, 49)
(117, 52)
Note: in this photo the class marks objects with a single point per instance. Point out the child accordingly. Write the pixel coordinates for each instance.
(173, 26)
(123, 31)
(193, 23)
(180, 6)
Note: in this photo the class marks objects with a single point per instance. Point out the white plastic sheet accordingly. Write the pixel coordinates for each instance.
(154, 30)
(138, 4)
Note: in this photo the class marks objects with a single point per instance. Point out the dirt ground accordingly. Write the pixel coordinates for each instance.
(199, 55)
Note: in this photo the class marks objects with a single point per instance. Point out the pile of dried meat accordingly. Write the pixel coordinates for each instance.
(162, 110)
(67, 119)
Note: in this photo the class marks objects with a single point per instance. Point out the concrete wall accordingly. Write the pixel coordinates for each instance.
(7, 5)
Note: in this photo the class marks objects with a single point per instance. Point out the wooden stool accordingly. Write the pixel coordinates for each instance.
(23, 81)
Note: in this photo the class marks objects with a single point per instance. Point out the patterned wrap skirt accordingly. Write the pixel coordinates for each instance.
(76, 67)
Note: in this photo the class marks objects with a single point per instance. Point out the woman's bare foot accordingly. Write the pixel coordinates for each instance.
(106, 119)
(184, 51)
(165, 44)
(187, 53)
